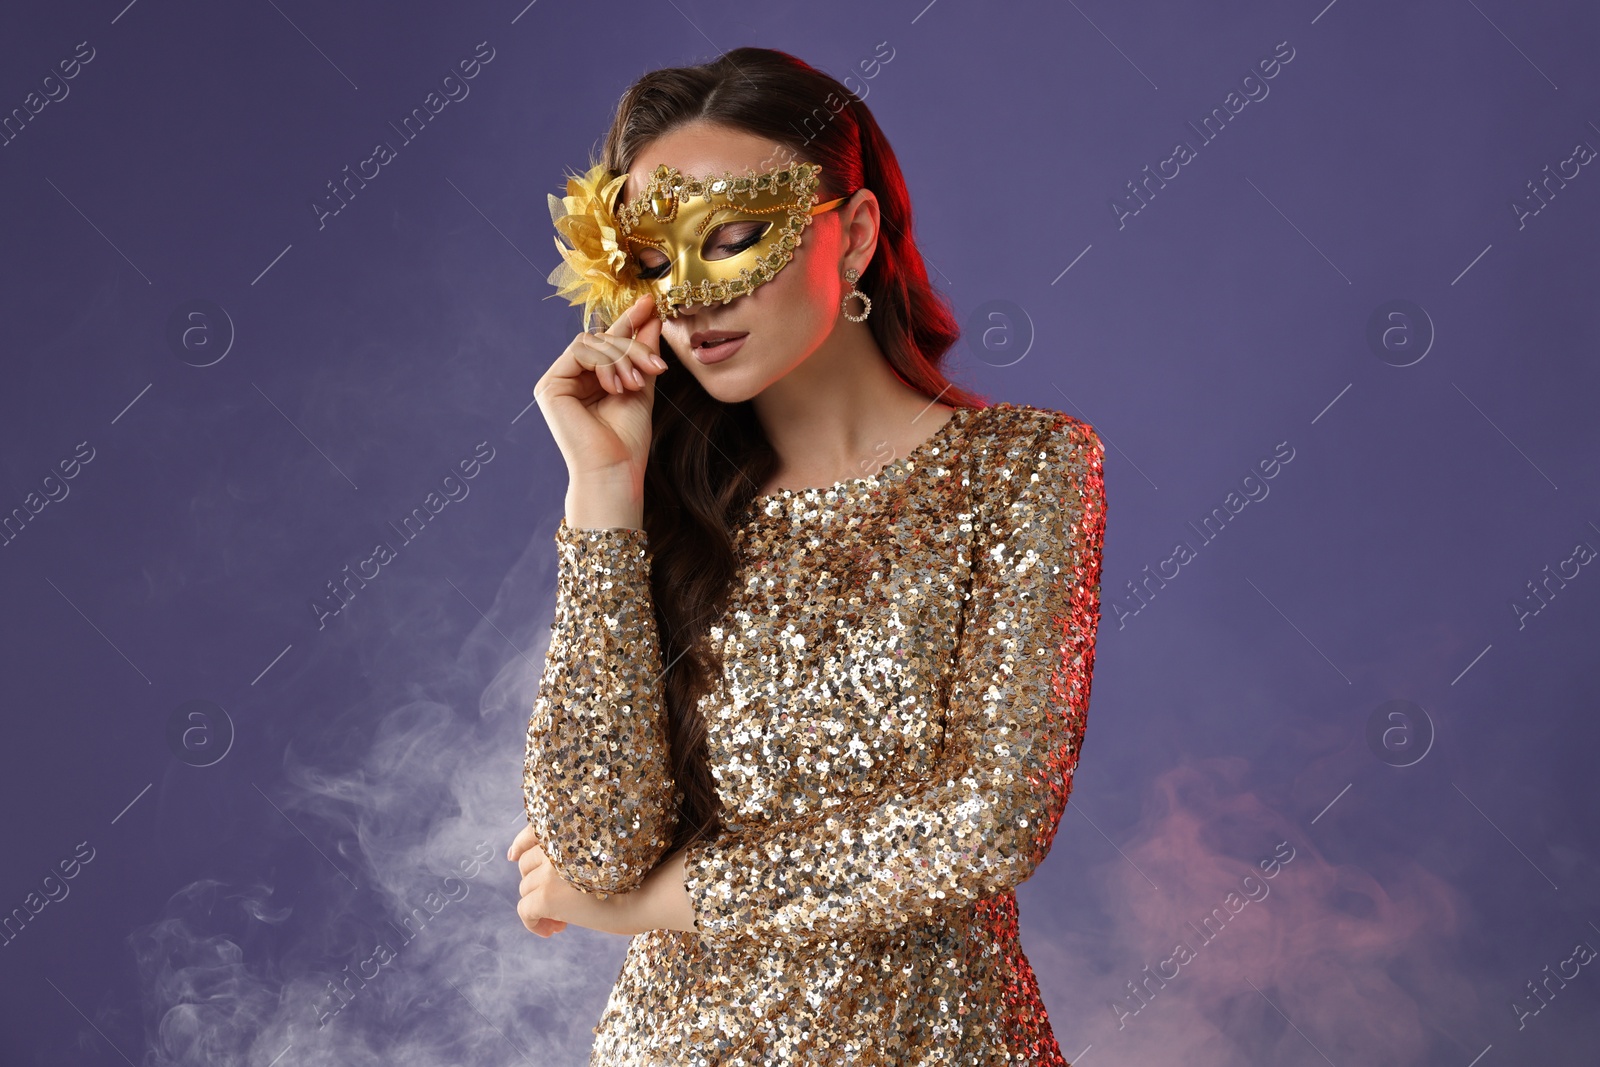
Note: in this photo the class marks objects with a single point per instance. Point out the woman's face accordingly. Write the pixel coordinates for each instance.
(785, 319)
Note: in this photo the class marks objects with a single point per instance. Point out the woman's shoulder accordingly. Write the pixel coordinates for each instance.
(1005, 430)
(1024, 456)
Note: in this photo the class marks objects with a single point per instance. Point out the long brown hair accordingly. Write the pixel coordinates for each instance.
(707, 458)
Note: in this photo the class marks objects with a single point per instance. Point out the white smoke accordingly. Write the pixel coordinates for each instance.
(411, 954)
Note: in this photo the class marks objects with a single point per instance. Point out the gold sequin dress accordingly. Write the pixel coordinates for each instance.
(907, 663)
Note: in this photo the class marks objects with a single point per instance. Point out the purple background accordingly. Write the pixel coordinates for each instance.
(354, 765)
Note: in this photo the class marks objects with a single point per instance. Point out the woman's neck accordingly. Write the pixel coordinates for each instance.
(842, 413)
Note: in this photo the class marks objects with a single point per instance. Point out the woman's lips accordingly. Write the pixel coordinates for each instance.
(716, 352)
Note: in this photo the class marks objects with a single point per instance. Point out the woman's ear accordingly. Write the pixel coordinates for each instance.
(861, 220)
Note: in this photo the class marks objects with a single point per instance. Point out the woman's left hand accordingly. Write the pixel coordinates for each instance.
(549, 902)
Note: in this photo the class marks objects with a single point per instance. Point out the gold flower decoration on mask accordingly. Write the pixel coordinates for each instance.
(596, 270)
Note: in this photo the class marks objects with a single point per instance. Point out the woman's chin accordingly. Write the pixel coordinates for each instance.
(732, 392)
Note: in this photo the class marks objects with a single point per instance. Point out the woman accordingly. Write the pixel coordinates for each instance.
(825, 624)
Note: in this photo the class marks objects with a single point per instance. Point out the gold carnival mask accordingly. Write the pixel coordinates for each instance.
(716, 238)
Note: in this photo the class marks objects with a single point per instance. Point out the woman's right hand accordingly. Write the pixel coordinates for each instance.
(597, 396)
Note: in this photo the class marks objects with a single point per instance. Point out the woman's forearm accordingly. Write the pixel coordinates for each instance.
(597, 774)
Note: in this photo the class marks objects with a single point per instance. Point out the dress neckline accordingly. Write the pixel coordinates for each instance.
(887, 474)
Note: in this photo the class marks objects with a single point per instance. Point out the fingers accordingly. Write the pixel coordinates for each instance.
(528, 911)
(637, 320)
(614, 356)
(532, 859)
(532, 898)
(635, 335)
(547, 927)
(520, 843)
(529, 857)
(619, 362)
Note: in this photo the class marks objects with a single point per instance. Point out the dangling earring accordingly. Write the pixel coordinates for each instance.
(852, 275)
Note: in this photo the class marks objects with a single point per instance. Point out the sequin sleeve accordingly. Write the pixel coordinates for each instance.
(983, 821)
(597, 782)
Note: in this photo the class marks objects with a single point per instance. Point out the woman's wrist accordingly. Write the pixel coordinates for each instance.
(605, 500)
(662, 901)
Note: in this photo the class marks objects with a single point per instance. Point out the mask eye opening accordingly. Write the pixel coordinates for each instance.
(728, 239)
